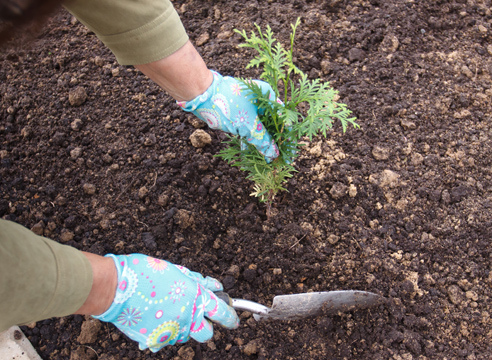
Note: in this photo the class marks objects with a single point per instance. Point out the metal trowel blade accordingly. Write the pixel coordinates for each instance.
(298, 306)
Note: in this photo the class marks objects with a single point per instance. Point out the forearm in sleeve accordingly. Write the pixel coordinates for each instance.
(137, 31)
(40, 278)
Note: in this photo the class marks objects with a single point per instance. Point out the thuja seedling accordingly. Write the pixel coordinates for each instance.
(307, 108)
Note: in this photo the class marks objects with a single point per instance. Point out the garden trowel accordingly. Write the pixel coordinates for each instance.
(299, 306)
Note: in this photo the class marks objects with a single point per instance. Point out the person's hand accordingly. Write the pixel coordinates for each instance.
(158, 303)
(226, 105)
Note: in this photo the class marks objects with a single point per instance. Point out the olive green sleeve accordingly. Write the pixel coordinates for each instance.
(40, 278)
(137, 31)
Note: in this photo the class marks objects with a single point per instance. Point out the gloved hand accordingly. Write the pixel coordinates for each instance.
(158, 303)
(225, 106)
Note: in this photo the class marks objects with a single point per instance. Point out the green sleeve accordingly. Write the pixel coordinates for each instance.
(40, 278)
(137, 31)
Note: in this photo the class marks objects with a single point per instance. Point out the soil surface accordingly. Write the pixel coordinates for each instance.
(96, 156)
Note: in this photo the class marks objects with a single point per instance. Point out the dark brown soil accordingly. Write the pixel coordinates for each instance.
(402, 207)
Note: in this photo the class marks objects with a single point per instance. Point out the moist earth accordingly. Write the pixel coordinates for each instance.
(96, 156)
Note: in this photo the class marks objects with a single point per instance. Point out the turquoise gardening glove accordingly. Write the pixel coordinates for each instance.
(226, 106)
(158, 303)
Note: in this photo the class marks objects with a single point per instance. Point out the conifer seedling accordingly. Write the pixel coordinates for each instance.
(307, 109)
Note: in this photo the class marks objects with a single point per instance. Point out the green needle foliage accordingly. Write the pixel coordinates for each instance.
(308, 108)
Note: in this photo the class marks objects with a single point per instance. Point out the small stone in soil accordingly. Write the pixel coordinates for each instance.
(250, 348)
(169, 214)
(184, 218)
(38, 228)
(202, 39)
(333, 239)
(99, 61)
(76, 125)
(380, 153)
(142, 192)
(455, 294)
(277, 271)
(77, 96)
(202, 191)
(163, 200)
(186, 353)
(89, 331)
(338, 190)
(352, 191)
(249, 275)
(407, 125)
(76, 153)
(356, 54)
(149, 241)
(89, 189)
(200, 138)
(228, 282)
(233, 270)
(66, 236)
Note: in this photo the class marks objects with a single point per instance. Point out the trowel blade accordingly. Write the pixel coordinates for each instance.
(298, 306)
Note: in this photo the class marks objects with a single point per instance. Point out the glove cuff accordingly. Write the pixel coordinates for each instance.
(194, 104)
(114, 310)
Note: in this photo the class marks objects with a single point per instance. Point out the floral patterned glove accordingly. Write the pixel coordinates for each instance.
(225, 106)
(158, 303)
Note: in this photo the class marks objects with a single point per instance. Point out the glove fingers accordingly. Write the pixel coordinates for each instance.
(208, 282)
(243, 121)
(257, 134)
(212, 284)
(205, 333)
(218, 311)
(265, 88)
(201, 329)
(223, 315)
(210, 308)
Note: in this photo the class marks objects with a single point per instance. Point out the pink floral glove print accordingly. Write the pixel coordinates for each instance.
(226, 106)
(159, 304)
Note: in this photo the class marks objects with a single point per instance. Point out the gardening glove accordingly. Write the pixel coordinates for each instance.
(158, 303)
(226, 106)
